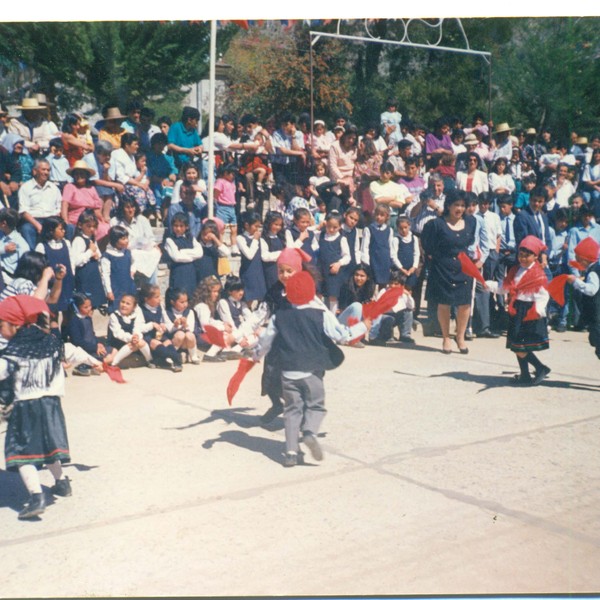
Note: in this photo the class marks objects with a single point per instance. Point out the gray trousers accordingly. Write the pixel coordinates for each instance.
(304, 407)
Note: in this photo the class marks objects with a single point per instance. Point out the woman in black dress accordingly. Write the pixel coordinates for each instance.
(443, 239)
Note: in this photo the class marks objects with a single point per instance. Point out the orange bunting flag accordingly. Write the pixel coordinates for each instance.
(114, 373)
(213, 336)
(556, 289)
(467, 266)
(234, 383)
(371, 310)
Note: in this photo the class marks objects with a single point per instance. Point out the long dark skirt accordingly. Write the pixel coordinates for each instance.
(36, 434)
(526, 336)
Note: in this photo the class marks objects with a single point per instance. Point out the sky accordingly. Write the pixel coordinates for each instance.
(112, 10)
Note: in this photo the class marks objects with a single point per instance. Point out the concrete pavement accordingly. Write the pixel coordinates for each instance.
(439, 477)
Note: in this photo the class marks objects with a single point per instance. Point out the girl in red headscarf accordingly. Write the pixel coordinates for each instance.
(31, 368)
(528, 297)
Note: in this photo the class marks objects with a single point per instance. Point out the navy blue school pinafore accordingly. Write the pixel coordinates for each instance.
(183, 275)
(406, 256)
(236, 312)
(330, 252)
(121, 281)
(153, 316)
(275, 244)
(88, 280)
(252, 275)
(171, 314)
(209, 263)
(306, 244)
(126, 327)
(61, 256)
(349, 268)
(379, 253)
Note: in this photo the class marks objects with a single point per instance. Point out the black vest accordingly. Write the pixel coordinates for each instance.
(301, 342)
(590, 305)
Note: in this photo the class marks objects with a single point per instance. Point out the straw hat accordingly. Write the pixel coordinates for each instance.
(503, 128)
(531, 131)
(41, 98)
(113, 112)
(81, 165)
(30, 104)
(582, 141)
(514, 140)
(471, 139)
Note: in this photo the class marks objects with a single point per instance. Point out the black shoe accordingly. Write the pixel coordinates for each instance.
(313, 445)
(561, 328)
(487, 333)
(35, 507)
(273, 412)
(468, 336)
(231, 355)
(290, 459)
(82, 371)
(217, 358)
(522, 380)
(377, 342)
(62, 487)
(540, 375)
(406, 339)
(176, 368)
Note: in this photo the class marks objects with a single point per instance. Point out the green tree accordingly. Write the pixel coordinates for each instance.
(271, 73)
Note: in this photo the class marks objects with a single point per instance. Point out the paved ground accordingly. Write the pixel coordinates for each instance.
(438, 478)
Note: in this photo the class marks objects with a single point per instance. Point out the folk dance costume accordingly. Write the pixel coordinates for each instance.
(33, 378)
(87, 271)
(527, 327)
(303, 336)
(589, 287)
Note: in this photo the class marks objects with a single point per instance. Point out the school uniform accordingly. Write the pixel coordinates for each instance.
(332, 249)
(351, 236)
(121, 328)
(79, 330)
(58, 253)
(271, 247)
(377, 251)
(156, 314)
(251, 268)
(310, 245)
(208, 263)
(193, 326)
(87, 271)
(406, 255)
(182, 252)
(116, 267)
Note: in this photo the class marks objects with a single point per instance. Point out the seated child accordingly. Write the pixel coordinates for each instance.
(158, 336)
(185, 324)
(126, 328)
(78, 328)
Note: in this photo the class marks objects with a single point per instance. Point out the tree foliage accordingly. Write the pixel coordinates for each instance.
(108, 62)
(271, 73)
